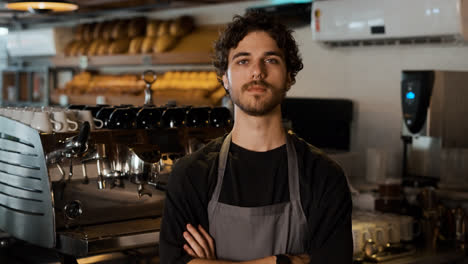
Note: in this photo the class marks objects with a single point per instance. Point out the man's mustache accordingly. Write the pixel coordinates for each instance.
(256, 83)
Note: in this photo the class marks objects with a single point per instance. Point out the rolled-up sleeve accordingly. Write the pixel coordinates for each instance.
(330, 215)
(182, 205)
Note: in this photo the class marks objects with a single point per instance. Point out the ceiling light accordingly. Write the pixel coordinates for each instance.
(42, 6)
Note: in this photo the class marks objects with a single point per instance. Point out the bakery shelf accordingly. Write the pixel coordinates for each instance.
(92, 99)
(137, 59)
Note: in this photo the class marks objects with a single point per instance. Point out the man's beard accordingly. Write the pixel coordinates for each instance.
(260, 105)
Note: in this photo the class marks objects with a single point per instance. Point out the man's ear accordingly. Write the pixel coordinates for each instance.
(226, 82)
(289, 82)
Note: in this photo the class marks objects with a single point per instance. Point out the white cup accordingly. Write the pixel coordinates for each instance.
(394, 230)
(381, 232)
(87, 116)
(42, 122)
(361, 234)
(15, 114)
(408, 232)
(27, 117)
(7, 112)
(67, 124)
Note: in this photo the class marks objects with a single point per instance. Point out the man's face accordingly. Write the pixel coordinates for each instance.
(256, 77)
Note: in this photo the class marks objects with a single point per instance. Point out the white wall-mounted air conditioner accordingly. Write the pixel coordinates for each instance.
(389, 21)
(37, 42)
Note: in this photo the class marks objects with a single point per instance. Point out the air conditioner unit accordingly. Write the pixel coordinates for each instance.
(38, 42)
(344, 22)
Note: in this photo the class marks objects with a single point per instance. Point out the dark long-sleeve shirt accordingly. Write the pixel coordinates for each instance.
(258, 179)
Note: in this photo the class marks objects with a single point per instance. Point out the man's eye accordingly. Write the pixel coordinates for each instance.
(272, 60)
(242, 61)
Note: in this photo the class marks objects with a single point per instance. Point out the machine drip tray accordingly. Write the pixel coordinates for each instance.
(83, 241)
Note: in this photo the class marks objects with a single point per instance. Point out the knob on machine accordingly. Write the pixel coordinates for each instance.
(149, 77)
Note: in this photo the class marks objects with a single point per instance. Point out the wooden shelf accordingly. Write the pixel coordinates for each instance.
(92, 99)
(169, 58)
(195, 48)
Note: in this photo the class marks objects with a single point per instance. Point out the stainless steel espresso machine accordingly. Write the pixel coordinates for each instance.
(89, 192)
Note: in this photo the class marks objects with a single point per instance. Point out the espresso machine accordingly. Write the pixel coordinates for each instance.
(89, 192)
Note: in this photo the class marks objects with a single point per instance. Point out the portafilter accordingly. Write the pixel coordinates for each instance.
(144, 167)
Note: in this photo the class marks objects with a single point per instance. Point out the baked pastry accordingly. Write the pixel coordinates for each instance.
(103, 47)
(135, 45)
(136, 27)
(78, 35)
(181, 26)
(107, 30)
(120, 30)
(119, 46)
(164, 43)
(98, 30)
(83, 49)
(163, 28)
(93, 48)
(147, 44)
(69, 47)
(75, 49)
(152, 28)
(88, 32)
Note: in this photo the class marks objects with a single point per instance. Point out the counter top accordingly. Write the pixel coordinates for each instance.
(427, 257)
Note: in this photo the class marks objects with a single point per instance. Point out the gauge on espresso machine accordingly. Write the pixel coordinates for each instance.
(416, 89)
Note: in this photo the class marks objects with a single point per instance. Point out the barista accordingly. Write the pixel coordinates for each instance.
(258, 194)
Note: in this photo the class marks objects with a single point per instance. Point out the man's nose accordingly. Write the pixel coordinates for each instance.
(258, 71)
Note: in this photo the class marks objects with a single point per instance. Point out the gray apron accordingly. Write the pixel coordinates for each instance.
(247, 233)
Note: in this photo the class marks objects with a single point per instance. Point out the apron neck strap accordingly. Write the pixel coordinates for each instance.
(223, 157)
(293, 169)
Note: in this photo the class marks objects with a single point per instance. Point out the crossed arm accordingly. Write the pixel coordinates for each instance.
(201, 246)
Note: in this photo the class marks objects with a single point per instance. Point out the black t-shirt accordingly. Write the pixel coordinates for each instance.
(254, 179)
(257, 179)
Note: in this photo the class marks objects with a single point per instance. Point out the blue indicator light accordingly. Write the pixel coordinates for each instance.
(410, 95)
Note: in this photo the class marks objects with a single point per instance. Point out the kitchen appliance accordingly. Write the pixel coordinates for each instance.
(369, 22)
(89, 192)
(434, 128)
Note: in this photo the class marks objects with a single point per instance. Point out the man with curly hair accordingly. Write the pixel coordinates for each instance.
(259, 194)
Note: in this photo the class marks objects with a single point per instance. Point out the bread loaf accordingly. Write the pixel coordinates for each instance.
(74, 50)
(119, 46)
(164, 43)
(88, 32)
(147, 45)
(135, 45)
(93, 48)
(83, 49)
(152, 28)
(163, 28)
(136, 27)
(69, 47)
(98, 30)
(181, 26)
(120, 30)
(78, 35)
(103, 47)
(107, 30)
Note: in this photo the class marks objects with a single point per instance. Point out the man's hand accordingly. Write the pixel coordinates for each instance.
(299, 259)
(200, 244)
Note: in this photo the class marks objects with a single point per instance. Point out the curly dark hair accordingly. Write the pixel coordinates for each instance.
(256, 21)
